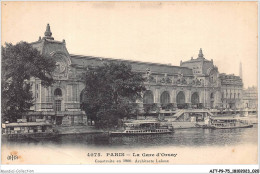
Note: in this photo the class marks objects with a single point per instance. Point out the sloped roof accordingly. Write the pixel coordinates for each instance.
(84, 61)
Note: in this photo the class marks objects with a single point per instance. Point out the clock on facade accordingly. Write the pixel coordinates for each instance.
(60, 63)
(60, 67)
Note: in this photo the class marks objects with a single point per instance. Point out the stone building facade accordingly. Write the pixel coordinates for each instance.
(196, 83)
(250, 97)
(231, 91)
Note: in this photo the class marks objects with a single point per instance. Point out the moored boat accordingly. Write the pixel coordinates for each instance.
(143, 128)
(28, 130)
(228, 123)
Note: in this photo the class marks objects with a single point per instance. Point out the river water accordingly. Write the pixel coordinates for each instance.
(193, 137)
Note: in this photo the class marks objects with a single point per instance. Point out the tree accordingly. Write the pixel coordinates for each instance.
(111, 92)
(21, 62)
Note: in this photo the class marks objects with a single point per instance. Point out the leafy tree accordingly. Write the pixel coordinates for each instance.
(111, 92)
(20, 62)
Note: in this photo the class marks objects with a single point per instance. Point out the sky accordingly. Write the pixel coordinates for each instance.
(160, 32)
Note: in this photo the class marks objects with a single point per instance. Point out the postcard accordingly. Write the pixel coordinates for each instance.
(136, 83)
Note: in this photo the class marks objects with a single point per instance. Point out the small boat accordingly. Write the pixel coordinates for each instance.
(143, 128)
(28, 130)
(228, 123)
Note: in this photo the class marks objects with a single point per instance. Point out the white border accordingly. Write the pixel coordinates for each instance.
(129, 168)
(122, 168)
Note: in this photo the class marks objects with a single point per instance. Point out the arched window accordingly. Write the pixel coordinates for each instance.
(58, 92)
(165, 98)
(180, 98)
(194, 98)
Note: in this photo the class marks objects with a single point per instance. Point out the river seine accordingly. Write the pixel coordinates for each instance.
(181, 137)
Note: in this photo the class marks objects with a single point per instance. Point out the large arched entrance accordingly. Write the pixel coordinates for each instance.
(180, 100)
(165, 98)
(195, 100)
(148, 97)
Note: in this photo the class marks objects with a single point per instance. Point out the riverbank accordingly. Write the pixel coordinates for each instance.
(68, 130)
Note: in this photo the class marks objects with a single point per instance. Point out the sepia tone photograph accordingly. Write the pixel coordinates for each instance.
(129, 83)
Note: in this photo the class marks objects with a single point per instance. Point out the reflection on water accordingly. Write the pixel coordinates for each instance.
(181, 137)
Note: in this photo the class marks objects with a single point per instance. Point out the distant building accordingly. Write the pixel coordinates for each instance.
(231, 91)
(250, 97)
(196, 83)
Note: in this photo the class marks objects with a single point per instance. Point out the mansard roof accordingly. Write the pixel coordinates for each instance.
(84, 61)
